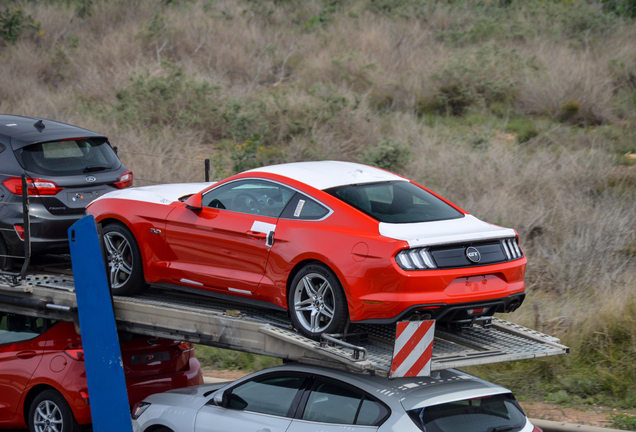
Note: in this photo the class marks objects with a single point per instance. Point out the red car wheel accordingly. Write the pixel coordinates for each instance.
(49, 412)
(317, 302)
(125, 267)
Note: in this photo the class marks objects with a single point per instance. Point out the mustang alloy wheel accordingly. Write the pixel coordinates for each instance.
(49, 412)
(316, 301)
(125, 270)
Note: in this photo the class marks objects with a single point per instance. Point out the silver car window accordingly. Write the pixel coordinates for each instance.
(270, 395)
(478, 414)
(330, 402)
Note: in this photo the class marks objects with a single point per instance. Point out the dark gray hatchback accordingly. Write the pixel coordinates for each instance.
(66, 168)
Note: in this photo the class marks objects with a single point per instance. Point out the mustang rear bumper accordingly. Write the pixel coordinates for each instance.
(444, 295)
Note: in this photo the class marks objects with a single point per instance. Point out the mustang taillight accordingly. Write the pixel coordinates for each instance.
(125, 180)
(35, 186)
(76, 352)
(415, 259)
(511, 248)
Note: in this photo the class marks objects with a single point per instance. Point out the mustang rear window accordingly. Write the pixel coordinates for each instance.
(69, 157)
(491, 413)
(395, 202)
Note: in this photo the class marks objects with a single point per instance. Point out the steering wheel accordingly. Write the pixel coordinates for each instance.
(245, 202)
(215, 203)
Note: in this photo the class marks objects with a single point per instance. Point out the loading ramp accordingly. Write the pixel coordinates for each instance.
(165, 312)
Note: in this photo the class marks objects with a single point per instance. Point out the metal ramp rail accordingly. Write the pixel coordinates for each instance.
(200, 319)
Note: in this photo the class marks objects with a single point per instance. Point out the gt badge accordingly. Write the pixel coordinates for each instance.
(473, 254)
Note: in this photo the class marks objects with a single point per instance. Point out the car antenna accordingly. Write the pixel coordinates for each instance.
(39, 125)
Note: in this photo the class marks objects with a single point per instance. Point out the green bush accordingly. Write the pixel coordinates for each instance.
(524, 128)
(622, 422)
(479, 78)
(621, 7)
(13, 22)
(171, 99)
(218, 358)
(388, 154)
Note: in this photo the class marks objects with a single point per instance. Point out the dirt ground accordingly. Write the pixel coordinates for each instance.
(591, 416)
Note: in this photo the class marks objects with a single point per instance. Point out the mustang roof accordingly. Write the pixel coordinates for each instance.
(327, 174)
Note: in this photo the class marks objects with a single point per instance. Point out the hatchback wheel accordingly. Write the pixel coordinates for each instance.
(316, 301)
(125, 269)
(49, 412)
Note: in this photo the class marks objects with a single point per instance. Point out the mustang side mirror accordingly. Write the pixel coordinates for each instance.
(220, 399)
(194, 202)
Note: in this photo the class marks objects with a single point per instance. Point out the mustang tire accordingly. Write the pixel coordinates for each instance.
(125, 268)
(49, 412)
(316, 301)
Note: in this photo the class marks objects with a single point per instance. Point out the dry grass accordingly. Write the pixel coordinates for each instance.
(321, 80)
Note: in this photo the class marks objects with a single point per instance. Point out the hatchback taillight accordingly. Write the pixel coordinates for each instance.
(76, 352)
(35, 186)
(125, 180)
(536, 429)
(186, 346)
(19, 230)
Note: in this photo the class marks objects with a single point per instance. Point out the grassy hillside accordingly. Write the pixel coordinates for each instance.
(521, 112)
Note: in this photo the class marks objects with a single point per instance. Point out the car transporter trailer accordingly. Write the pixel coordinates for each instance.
(165, 312)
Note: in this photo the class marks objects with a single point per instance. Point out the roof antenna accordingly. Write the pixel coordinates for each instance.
(39, 125)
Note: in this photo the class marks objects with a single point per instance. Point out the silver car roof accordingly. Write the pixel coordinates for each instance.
(409, 393)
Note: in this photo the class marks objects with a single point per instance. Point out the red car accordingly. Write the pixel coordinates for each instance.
(328, 241)
(43, 380)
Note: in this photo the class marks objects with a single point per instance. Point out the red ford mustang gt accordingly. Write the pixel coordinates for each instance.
(328, 241)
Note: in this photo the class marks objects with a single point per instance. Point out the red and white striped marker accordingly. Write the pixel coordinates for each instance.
(413, 349)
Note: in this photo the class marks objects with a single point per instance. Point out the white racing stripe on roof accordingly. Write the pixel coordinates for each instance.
(327, 174)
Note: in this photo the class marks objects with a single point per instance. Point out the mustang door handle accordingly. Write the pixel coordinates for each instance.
(25, 354)
(255, 234)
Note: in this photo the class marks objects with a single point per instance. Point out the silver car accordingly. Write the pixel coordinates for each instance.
(302, 398)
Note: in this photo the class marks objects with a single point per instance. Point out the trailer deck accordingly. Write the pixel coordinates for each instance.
(165, 312)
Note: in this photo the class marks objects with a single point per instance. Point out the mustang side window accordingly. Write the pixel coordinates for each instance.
(270, 395)
(304, 208)
(256, 197)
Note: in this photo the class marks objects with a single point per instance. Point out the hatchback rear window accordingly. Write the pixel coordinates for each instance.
(486, 414)
(69, 157)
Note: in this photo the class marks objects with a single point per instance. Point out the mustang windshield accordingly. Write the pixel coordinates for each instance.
(395, 202)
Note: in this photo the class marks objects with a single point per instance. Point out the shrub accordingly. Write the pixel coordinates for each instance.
(13, 22)
(524, 128)
(622, 422)
(171, 99)
(388, 154)
(480, 77)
